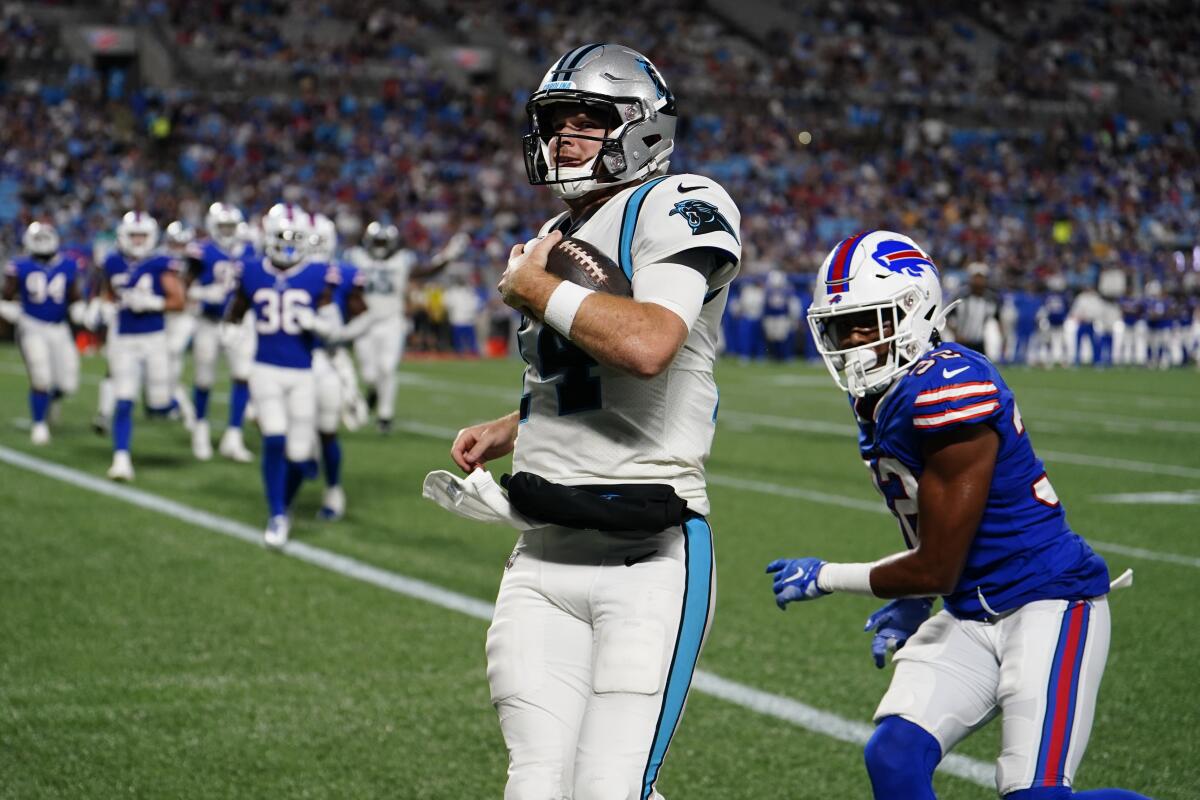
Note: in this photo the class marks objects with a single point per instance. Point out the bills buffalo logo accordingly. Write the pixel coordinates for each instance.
(902, 257)
(703, 217)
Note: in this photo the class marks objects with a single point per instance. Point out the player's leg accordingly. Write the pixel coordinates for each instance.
(650, 618)
(180, 326)
(354, 408)
(205, 347)
(268, 389)
(539, 656)
(66, 362)
(1052, 658)
(943, 688)
(390, 341)
(240, 356)
(125, 366)
(329, 406)
(302, 426)
(156, 357)
(33, 341)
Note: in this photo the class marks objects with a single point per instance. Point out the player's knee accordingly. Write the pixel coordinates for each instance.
(604, 785)
(533, 784)
(900, 755)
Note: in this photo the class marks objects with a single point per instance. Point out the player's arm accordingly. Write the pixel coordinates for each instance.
(173, 292)
(640, 338)
(454, 248)
(10, 310)
(475, 446)
(238, 306)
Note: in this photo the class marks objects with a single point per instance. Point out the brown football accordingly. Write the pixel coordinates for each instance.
(582, 263)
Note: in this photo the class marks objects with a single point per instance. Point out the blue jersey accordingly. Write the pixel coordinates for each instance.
(144, 276)
(45, 286)
(1023, 550)
(778, 302)
(275, 296)
(1158, 313)
(1131, 310)
(1055, 306)
(217, 266)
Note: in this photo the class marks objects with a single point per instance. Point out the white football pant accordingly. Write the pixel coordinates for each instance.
(590, 657)
(329, 392)
(180, 326)
(207, 347)
(1038, 668)
(379, 352)
(287, 406)
(133, 357)
(1129, 343)
(49, 354)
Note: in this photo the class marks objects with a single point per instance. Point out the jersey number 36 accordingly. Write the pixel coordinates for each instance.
(278, 311)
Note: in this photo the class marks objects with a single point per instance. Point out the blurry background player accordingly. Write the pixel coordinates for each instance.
(330, 362)
(386, 269)
(284, 291)
(1024, 628)
(177, 238)
(144, 286)
(1053, 347)
(975, 319)
(781, 316)
(462, 312)
(214, 266)
(47, 285)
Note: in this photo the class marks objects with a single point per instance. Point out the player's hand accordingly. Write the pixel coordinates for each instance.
(526, 273)
(479, 444)
(140, 302)
(796, 579)
(457, 245)
(894, 624)
(229, 334)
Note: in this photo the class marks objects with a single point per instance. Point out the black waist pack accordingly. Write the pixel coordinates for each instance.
(624, 508)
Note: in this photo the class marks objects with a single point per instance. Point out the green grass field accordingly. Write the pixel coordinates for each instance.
(145, 656)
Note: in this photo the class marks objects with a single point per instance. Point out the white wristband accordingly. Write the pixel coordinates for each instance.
(853, 578)
(563, 305)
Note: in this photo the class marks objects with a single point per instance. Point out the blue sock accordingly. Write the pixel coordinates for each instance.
(309, 469)
(239, 396)
(200, 401)
(1065, 793)
(274, 472)
(1109, 794)
(295, 477)
(331, 456)
(901, 757)
(39, 402)
(122, 427)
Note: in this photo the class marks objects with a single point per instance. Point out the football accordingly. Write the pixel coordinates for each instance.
(582, 263)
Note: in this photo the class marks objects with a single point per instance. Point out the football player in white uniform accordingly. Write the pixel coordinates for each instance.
(41, 292)
(386, 268)
(597, 633)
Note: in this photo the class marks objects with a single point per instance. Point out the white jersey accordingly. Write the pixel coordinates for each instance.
(385, 281)
(584, 423)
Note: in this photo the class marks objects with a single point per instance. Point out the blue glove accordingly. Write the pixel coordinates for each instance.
(796, 579)
(894, 623)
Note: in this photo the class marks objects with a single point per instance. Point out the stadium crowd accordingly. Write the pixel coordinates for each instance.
(818, 132)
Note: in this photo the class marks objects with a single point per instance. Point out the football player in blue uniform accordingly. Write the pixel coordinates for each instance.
(290, 299)
(213, 271)
(143, 286)
(1024, 628)
(41, 291)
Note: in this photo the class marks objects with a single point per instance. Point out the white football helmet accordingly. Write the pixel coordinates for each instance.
(222, 223)
(40, 239)
(323, 241)
(880, 279)
(178, 236)
(626, 89)
(287, 234)
(137, 234)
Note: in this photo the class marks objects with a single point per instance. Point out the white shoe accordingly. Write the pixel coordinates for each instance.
(233, 448)
(122, 467)
(39, 434)
(201, 444)
(333, 505)
(276, 534)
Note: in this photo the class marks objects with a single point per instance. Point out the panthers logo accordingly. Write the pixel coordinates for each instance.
(703, 217)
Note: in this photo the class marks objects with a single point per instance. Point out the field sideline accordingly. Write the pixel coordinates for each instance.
(152, 661)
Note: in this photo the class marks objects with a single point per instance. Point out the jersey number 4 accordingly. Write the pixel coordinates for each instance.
(577, 388)
(277, 311)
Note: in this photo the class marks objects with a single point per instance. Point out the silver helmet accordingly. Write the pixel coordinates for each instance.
(381, 240)
(626, 89)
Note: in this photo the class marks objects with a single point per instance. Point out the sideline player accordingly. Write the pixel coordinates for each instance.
(214, 267)
(177, 237)
(1024, 628)
(284, 291)
(144, 286)
(386, 269)
(596, 635)
(47, 283)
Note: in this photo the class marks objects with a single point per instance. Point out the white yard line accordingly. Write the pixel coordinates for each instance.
(773, 705)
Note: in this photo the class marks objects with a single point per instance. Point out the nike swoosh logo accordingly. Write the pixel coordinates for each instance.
(799, 573)
(946, 373)
(685, 189)
(631, 560)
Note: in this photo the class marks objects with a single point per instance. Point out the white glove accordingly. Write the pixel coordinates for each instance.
(477, 498)
(77, 313)
(325, 322)
(213, 293)
(353, 329)
(10, 311)
(230, 334)
(142, 302)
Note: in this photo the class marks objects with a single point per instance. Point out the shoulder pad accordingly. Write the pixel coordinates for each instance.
(684, 212)
(951, 386)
